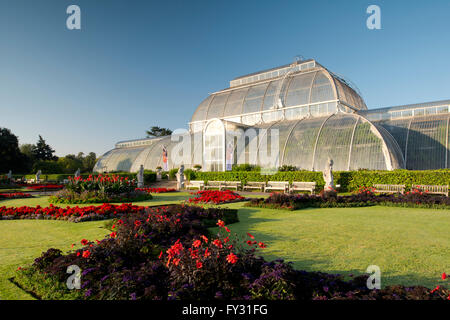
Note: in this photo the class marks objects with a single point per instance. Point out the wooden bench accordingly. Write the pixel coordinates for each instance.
(302, 186)
(214, 184)
(277, 185)
(389, 188)
(253, 185)
(431, 189)
(230, 185)
(199, 184)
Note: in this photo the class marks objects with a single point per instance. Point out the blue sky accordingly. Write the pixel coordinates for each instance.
(135, 64)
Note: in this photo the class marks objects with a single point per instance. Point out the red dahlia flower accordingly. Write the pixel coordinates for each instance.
(232, 258)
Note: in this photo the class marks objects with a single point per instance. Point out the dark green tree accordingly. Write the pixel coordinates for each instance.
(42, 151)
(27, 150)
(10, 156)
(89, 162)
(70, 163)
(158, 132)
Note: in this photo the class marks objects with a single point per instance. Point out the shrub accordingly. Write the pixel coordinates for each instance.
(365, 197)
(245, 167)
(173, 173)
(98, 196)
(348, 180)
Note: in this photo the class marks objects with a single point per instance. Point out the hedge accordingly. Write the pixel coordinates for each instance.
(349, 180)
(149, 176)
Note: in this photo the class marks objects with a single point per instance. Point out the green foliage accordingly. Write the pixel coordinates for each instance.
(245, 167)
(287, 168)
(47, 166)
(188, 173)
(10, 156)
(349, 180)
(42, 151)
(172, 173)
(158, 132)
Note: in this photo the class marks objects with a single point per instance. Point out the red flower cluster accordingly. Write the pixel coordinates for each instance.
(416, 191)
(156, 190)
(54, 212)
(99, 178)
(17, 195)
(366, 190)
(216, 197)
(200, 251)
(38, 187)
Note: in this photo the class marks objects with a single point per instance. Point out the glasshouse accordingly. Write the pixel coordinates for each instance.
(300, 114)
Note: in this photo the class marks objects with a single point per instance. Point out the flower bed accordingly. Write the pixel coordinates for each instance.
(71, 197)
(75, 214)
(215, 197)
(43, 187)
(100, 189)
(157, 190)
(365, 197)
(16, 195)
(167, 253)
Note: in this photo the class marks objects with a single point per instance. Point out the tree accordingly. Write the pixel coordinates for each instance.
(10, 156)
(158, 132)
(47, 166)
(89, 162)
(42, 151)
(70, 163)
(27, 150)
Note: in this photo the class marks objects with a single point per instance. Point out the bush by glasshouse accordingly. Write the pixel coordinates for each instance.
(100, 189)
(348, 180)
(365, 197)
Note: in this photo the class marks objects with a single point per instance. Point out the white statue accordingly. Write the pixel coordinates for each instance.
(9, 175)
(158, 174)
(77, 173)
(180, 178)
(38, 175)
(328, 176)
(140, 177)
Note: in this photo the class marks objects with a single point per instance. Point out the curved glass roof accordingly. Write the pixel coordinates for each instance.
(267, 100)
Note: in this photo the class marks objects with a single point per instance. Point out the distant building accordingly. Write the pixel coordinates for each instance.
(316, 114)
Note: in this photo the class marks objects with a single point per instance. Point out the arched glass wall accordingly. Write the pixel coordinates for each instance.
(214, 146)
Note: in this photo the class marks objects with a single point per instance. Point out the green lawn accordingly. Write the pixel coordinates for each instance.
(411, 246)
(22, 241)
